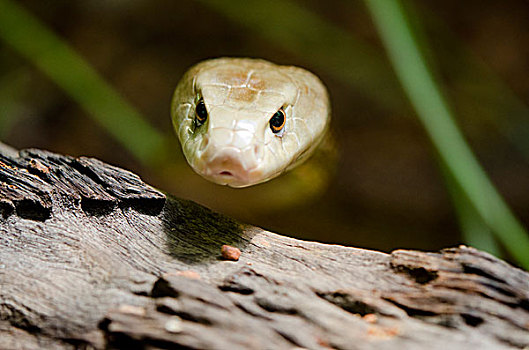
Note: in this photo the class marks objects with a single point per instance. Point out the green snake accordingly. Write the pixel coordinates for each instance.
(244, 121)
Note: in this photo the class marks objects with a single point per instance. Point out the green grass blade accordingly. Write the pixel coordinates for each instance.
(419, 85)
(474, 230)
(33, 40)
(294, 28)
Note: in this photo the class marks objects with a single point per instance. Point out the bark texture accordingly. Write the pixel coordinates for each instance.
(92, 257)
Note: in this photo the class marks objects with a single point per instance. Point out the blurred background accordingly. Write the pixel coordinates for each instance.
(385, 189)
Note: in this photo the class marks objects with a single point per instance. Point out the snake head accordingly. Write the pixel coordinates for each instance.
(245, 121)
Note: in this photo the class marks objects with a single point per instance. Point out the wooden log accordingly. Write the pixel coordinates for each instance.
(92, 257)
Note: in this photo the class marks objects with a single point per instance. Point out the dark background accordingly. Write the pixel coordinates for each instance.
(386, 191)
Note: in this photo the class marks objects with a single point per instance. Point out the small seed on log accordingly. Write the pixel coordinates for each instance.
(230, 253)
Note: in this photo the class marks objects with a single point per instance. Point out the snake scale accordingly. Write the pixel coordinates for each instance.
(244, 121)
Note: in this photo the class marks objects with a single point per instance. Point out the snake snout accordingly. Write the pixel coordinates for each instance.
(229, 165)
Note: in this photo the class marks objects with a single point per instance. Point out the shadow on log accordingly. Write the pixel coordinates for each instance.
(91, 257)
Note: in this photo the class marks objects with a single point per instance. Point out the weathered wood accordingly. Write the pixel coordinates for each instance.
(92, 257)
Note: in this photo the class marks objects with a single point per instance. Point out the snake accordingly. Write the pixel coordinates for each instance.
(245, 121)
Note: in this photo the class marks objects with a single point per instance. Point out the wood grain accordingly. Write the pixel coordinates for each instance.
(92, 257)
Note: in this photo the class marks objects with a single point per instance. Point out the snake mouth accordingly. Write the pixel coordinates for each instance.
(227, 166)
(234, 176)
(231, 177)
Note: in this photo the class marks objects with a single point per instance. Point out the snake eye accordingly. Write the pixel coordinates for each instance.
(201, 114)
(277, 122)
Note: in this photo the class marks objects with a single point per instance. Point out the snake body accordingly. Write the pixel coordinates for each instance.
(227, 113)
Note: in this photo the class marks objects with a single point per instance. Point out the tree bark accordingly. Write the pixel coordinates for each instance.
(92, 257)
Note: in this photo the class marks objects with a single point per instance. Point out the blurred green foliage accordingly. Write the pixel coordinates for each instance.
(455, 154)
(10, 88)
(70, 71)
(333, 50)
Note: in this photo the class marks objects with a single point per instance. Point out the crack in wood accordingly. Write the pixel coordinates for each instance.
(348, 302)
